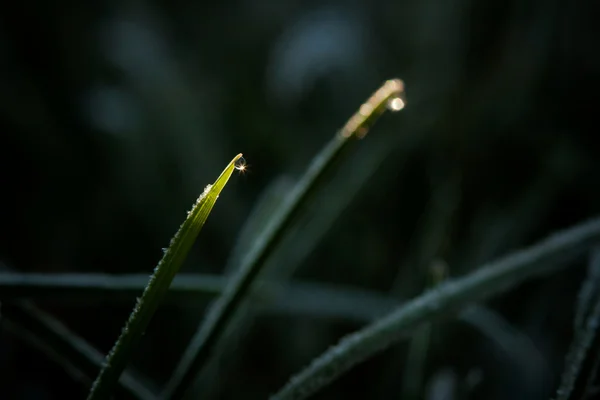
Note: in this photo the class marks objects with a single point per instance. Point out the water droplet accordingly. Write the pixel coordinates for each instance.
(164, 249)
(240, 164)
(395, 104)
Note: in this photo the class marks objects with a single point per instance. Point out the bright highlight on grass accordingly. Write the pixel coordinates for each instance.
(395, 104)
(159, 283)
(389, 96)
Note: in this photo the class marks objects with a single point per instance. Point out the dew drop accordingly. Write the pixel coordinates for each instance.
(395, 104)
(240, 164)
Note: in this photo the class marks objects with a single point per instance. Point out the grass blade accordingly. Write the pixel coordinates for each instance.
(491, 279)
(416, 360)
(158, 285)
(589, 287)
(84, 288)
(516, 345)
(222, 312)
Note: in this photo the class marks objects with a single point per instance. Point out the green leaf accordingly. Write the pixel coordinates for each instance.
(158, 285)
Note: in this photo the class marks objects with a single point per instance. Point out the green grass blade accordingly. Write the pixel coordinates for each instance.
(489, 280)
(219, 316)
(158, 285)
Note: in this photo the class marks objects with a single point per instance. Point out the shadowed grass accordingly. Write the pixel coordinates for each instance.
(158, 285)
(313, 300)
(582, 360)
(79, 358)
(489, 280)
(91, 288)
(305, 298)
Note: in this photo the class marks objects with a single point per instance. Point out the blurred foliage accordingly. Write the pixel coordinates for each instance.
(114, 116)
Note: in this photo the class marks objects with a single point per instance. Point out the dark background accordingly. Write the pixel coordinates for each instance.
(115, 115)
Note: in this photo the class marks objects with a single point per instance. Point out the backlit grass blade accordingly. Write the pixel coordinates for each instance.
(389, 96)
(158, 285)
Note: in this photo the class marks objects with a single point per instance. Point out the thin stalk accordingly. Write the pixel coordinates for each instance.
(491, 279)
(222, 312)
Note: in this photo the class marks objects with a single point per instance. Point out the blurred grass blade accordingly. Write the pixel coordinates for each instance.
(585, 348)
(416, 360)
(304, 298)
(581, 358)
(158, 285)
(520, 349)
(80, 359)
(418, 349)
(589, 288)
(81, 289)
(488, 280)
(269, 201)
(309, 299)
(220, 315)
(301, 298)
